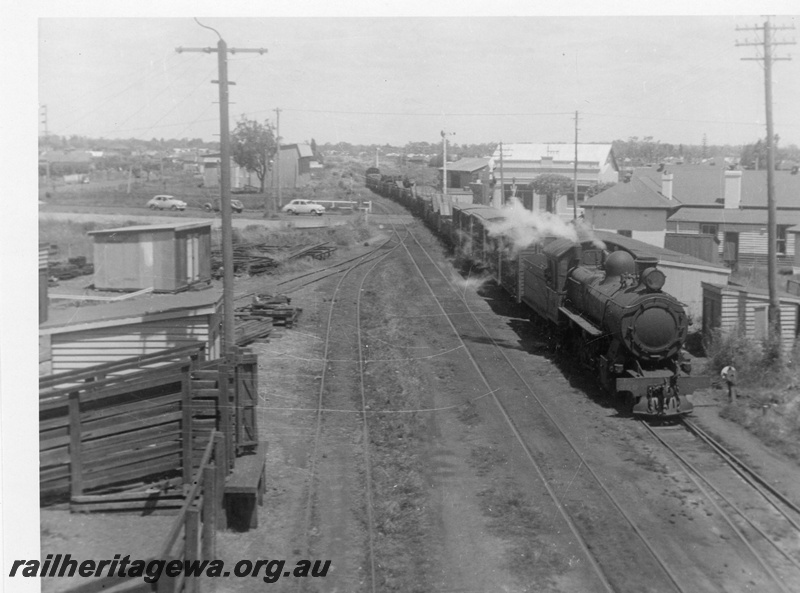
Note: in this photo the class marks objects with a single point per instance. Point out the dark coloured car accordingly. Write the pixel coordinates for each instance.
(236, 206)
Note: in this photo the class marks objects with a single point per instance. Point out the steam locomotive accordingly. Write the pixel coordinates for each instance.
(605, 303)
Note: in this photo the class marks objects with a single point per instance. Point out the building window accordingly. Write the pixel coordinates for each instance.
(781, 240)
(628, 234)
(709, 229)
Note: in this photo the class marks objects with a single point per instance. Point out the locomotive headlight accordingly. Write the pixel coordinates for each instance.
(653, 279)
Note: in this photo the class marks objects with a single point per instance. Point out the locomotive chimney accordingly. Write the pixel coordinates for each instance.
(642, 263)
(666, 185)
(733, 189)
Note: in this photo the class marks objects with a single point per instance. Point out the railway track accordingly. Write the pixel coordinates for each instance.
(664, 565)
(465, 322)
(619, 549)
(503, 372)
(765, 521)
(333, 430)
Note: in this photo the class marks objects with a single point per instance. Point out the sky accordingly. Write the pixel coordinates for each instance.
(398, 79)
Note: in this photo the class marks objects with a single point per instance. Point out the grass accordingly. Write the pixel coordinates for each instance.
(755, 276)
(71, 237)
(768, 385)
(513, 518)
(355, 231)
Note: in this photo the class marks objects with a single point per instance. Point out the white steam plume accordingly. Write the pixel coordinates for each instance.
(523, 228)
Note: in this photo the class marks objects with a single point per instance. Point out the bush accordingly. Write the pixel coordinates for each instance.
(756, 363)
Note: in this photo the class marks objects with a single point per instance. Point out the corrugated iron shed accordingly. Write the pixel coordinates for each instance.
(44, 262)
(738, 308)
(167, 257)
(84, 336)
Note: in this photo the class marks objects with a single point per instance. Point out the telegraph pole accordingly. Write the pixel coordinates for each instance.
(46, 144)
(575, 173)
(44, 122)
(444, 160)
(278, 155)
(767, 43)
(444, 164)
(222, 51)
(502, 180)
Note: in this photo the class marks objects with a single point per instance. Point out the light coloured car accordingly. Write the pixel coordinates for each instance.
(166, 203)
(304, 207)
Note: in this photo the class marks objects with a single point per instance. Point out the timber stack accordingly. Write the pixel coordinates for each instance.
(274, 307)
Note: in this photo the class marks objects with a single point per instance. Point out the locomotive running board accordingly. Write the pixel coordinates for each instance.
(580, 322)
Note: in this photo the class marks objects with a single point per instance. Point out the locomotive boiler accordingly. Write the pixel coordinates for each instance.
(622, 325)
(607, 308)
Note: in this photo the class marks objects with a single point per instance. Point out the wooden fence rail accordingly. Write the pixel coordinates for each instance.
(192, 534)
(122, 425)
(195, 351)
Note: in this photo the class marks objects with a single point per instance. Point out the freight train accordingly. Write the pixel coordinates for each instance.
(604, 302)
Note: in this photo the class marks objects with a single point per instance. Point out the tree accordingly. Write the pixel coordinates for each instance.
(552, 186)
(253, 147)
(754, 156)
(597, 188)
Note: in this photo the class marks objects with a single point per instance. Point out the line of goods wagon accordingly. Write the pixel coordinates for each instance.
(604, 303)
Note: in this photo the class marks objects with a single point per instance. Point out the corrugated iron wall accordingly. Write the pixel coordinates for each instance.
(82, 349)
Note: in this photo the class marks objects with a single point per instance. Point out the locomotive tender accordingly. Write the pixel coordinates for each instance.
(607, 307)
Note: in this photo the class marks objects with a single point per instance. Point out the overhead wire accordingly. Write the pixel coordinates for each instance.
(175, 106)
(137, 82)
(203, 80)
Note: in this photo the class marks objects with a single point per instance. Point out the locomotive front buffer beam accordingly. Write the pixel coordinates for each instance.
(661, 396)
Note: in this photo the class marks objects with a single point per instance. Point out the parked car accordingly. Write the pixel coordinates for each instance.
(304, 207)
(166, 203)
(215, 206)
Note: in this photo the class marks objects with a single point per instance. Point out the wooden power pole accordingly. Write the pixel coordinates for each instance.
(502, 179)
(222, 51)
(773, 312)
(575, 173)
(278, 155)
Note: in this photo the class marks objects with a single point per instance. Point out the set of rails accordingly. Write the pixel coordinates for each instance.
(667, 568)
(605, 304)
(765, 521)
(341, 348)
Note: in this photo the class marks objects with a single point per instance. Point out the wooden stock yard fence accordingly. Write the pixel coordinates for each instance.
(192, 534)
(160, 431)
(142, 421)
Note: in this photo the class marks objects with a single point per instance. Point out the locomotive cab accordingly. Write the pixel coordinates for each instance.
(545, 275)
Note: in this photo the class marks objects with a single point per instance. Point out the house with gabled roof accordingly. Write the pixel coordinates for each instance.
(637, 208)
(728, 207)
(731, 205)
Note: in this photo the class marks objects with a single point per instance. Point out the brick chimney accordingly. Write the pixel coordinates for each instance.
(666, 185)
(733, 189)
